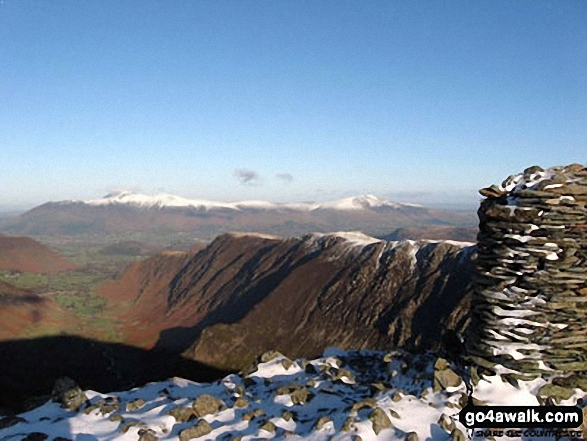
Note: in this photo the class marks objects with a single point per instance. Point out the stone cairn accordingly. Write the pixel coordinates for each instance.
(530, 296)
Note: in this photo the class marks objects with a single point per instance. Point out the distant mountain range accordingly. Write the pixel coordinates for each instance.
(163, 213)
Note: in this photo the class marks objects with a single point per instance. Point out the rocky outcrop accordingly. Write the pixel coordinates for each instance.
(531, 291)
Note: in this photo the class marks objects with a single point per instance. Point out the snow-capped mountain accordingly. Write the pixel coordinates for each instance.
(128, 212)
(163, 200)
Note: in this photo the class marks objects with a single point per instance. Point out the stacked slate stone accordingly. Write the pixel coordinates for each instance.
(530, 298)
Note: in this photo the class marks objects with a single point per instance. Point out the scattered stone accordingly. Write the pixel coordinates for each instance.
(301, 396)
(322, 422)
(441, 364)
(68, 394)
(379, 420)
(248, 382)
(207, 404)
(270, 355)
(253, 414)
(90, 408)
(446, 423)
(342, 373)
(182, 414)
(378, 387)
(309, 368)
(108, 405)
(240, 390)
(268, 426)
(289, 415)
(133, 405)
(127, 424)
(241, 402)
(446, 378)
(200, 429)
(348, 424)
(457, 435)
(10, 420)
(412, 436)
(368, 402)
(558, 393)
(147, 435)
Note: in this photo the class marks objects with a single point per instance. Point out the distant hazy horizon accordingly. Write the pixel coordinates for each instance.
(425, 200)
(421, 102)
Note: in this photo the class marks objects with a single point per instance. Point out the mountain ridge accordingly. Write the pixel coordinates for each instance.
(126, 213)
(220, 295)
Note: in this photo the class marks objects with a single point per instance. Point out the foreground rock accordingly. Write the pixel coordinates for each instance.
(403, 406)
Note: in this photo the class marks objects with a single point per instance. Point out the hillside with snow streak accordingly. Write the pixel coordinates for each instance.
(247, 293)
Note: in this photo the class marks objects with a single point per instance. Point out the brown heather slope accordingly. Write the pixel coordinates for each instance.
(23, 313)
(138, 297)
(248, 293)
(27, 255)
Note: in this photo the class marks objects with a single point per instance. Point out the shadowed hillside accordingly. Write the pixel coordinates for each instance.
(35, 364)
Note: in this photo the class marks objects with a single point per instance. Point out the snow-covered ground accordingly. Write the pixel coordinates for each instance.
(337, 397)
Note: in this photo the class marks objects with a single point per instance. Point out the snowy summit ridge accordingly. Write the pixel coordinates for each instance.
(164, 200)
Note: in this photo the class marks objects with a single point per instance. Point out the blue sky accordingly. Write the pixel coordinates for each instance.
(416, 101)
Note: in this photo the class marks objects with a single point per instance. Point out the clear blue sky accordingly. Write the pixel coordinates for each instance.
(411, 100)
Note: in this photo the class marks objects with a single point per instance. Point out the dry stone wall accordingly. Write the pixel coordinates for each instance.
(530, 298)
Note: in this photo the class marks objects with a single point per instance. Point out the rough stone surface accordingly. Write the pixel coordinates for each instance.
(182, 414)
(133, 405)
(207, 404)
(147, 435)
(200, 429)
(379, 420)
(68, 394)
(530, 294)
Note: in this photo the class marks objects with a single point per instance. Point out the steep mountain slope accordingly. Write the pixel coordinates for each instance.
(27, 255)
(128, 212)
(247, 293)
